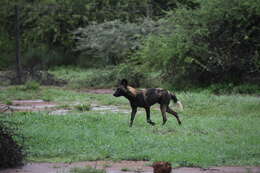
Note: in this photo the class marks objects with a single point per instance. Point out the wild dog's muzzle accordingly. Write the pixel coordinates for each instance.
(116, 94)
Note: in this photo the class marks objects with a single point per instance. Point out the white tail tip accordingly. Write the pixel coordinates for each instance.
(179, 105)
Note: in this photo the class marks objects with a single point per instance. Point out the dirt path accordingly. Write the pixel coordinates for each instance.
(119, 167)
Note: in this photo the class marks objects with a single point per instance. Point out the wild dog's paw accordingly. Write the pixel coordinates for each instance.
(152, 123)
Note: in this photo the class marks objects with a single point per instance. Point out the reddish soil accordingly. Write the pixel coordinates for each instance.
(122, 166)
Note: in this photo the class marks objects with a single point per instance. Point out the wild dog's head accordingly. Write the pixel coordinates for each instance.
(122, 89)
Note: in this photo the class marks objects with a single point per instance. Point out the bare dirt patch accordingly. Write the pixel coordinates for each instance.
(31, 105)
(122, 166)
(27, 105)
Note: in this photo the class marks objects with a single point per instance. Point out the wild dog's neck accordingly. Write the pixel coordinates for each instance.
(131, 95)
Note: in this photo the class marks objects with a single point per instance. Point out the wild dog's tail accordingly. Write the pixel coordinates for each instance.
(176, 101)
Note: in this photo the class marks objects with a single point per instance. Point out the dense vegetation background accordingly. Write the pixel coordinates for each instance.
(179, 42)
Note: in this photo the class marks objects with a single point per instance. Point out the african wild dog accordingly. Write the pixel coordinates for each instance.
(145, 98)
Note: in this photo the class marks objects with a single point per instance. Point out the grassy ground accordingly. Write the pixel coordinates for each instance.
(216, 130)
(55, 94)
(78, 77)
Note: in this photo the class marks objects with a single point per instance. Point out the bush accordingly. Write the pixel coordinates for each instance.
(12, 153)
(111, 43)
(217, 42)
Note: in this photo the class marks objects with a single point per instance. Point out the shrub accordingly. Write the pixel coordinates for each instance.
(111, 42)
(217, 42)
(12, 153)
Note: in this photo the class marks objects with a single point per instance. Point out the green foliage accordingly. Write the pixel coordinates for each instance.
(187, 42)
(48, 24)
(37, 58)
(12, 152)
(216, 42)
(112, 41)
(8, 102)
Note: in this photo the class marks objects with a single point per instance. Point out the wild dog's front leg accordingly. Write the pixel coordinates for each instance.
(134, 110)
(148, 116)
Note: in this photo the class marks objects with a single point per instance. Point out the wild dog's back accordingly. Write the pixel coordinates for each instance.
(156, 95)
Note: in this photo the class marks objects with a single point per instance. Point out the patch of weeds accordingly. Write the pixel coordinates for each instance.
(64, 106)
(186, 164)
(47, 98)
(8, 102)
(31, 85)
(125, 169)
(83, 107)
(86, 170)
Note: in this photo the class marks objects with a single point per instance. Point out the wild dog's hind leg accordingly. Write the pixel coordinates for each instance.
(169, 110)
(148, 119)
(134, 110)
(163, 110)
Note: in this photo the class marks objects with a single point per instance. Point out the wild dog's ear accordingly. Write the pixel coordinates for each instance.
(124, 82)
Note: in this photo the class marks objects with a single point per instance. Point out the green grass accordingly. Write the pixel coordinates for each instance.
(59, 95)
(216, 130)
(31, 85)
(91, 78)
